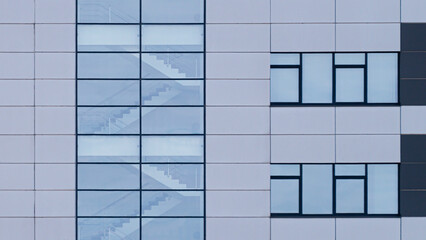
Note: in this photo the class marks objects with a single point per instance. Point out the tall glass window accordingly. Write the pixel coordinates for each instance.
(140, 119)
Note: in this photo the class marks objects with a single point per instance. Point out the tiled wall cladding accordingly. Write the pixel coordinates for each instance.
(244, 134)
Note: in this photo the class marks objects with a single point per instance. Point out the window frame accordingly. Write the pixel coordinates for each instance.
(334, 192)
(334, 68)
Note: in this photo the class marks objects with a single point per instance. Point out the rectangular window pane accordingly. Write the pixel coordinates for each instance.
(172, 65)
(172, 176)
(108, 65)
(108, 203)
(108, 92)
(172, 92)
(383, 189)
(172, 120)
(285, 85)
(285, 59)
(317, 78)
(317, 187)
(349, 170)
(350, 196)
(108, 149)
(350, 85)
(172, 228)
(285, 170)
(108, 11)
(108, 120)
(108, 228)
(172, 38)
(108, 176)
(382, 78)
(172, 11)
(119, 38)
(172, 149)
(284, 196)
(172, 203)
(349, 58)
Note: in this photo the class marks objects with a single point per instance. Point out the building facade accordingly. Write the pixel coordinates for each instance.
(215, 119)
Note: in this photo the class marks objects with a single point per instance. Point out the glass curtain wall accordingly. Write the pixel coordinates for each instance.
(140, 120)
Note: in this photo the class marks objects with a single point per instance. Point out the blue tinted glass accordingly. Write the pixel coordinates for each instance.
(172, 38)
(119, 38)
(108, 149)
(108, 65)
(349, 58)
(350, 196)
(172, 92)
(108, 120)
(285, 170)
(172, 11)
(285, 196)
(349, 170)
(172, 176)
(173, 228)
(172, 120)
(108, 203)
(108, 229)
(172, 149)
(108, 11)
(108, 176)
(382, 77)
(350, 85)
(284, 85)
(172, 203)
(172, 65)
(317, 84)
(285, 59)
(383, 189)
(108, 92)
(317, 187)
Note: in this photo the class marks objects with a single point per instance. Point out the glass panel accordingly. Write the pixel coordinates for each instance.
(172, 176)
(172, 92)
(285, 59)
(349, 170)
(108, 11)
(108, 149)
(172, 120)
(349, 58)
(172, 149)
(108, 92)
(172, 65)
(108, 120)
(383, 189)
(108, 203)
(317, 83)
(285, 85)
(108, 176)
(108, 228)
(172, 38)
(108, 38)
(172, 11)
(349, 196)
(172, 203)
(285, 170)
(317, 189)
(285, 196)
(172, 228)
(382, 78)
(350, 85)
(108, 65)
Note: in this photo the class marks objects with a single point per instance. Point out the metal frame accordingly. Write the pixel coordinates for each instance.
(140, 106)
(300, 213)
(334, 68)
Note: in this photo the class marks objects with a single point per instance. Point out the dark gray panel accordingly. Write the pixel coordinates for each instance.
(413, 92)
(413, 148)
(413, 176)
(413, 37)
(413, 203)
(413, 65)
